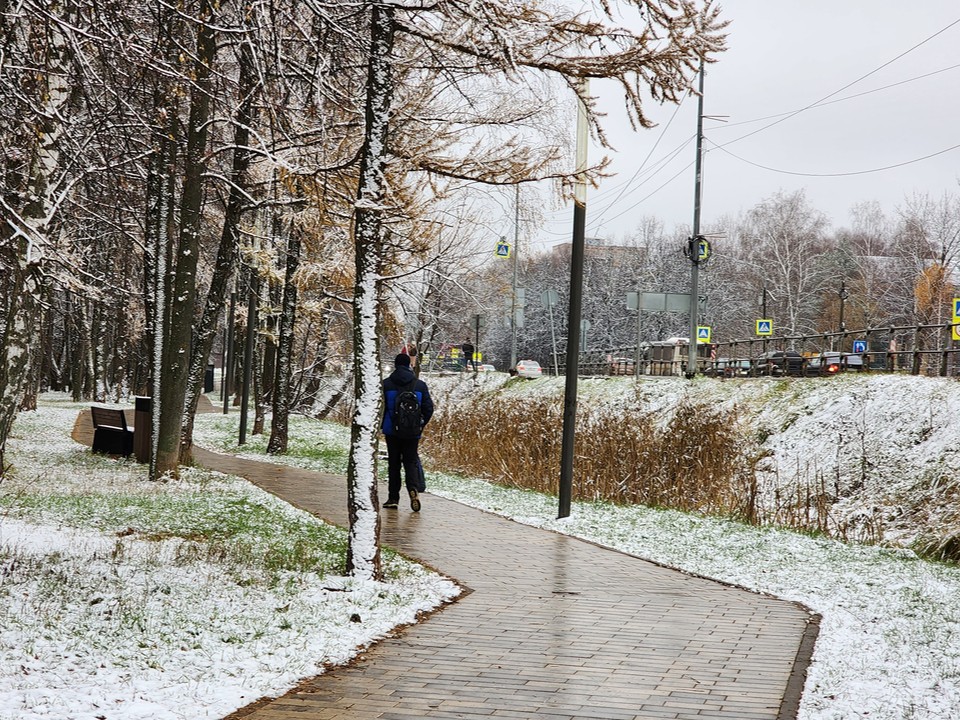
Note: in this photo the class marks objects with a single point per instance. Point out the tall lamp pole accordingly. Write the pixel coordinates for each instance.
(513, 301)
(574, 311)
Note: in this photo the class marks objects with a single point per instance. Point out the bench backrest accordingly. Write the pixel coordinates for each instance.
(108, 417)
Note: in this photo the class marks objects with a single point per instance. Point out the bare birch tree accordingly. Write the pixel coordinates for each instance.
(493, 40)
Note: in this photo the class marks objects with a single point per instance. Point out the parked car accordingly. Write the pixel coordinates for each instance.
(529, 369)
(621, 366)
(779, 363)
(486, 367)
(728, 367)
(823, 365)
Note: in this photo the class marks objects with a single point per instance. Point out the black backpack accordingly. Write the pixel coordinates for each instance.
(406, 413)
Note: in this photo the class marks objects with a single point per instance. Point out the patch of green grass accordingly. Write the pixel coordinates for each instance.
(223, 526)
(323, 444)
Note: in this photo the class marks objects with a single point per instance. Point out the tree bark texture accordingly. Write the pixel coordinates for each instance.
(182, 299)
(363, 548)
(226, 252)
(279, 426)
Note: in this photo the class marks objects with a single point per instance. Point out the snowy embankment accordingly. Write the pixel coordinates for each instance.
(889, 644)
(879, 451)
(122, 599)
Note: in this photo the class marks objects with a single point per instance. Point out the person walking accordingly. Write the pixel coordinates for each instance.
(468, 359)
(407, 410)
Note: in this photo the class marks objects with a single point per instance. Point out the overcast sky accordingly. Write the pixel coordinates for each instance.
(783, 57)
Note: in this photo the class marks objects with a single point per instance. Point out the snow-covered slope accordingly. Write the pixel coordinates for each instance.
(881, 452)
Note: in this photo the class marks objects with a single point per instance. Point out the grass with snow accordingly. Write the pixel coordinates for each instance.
(131, 599)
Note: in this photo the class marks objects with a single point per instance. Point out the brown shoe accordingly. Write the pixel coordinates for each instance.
(414, 501)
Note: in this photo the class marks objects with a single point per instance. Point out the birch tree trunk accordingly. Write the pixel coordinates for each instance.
(363, 543)
(18, 334)
(24, 234)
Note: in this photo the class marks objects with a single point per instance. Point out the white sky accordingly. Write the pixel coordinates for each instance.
(783, 57)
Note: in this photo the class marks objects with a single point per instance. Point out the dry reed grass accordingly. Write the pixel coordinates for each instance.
(695, 463)
(701, 460)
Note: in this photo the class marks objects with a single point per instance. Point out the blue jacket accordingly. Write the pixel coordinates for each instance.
(399, 379)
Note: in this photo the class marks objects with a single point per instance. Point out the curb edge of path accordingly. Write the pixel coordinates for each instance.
(790, 707)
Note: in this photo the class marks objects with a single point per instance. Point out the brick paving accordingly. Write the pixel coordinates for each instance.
(551, 627)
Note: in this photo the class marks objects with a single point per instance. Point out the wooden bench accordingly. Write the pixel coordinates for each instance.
(111, 435)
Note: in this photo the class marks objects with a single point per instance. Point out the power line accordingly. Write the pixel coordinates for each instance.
(648, 195)
(848, 85)
(844, 99)
(781, 118)
(643, 164)
(838, 174)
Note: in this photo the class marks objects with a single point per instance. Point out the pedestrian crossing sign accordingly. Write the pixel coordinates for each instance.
(956, 309)
(765, 327)
(703, 334)
(503, 250)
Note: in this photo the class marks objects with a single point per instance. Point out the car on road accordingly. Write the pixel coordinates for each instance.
(845, 362)
(852, 361)
(779, 363)
(822, 365)
(728, 367)
(529, 369)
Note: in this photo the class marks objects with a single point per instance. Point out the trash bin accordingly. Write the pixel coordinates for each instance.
(208, 379)
(142, 428)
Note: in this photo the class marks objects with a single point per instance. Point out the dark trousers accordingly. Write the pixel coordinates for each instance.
(401, 452)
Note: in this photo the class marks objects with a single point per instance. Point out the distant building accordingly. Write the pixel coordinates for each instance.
(600, 249)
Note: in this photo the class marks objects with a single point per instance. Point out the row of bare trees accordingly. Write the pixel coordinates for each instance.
(779, 260)
(309, 160)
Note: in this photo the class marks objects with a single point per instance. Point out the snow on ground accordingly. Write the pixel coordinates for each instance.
(889, 644)
(131, 637)
(108, 611)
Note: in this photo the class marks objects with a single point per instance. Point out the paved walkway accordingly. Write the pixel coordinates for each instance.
(553, 628)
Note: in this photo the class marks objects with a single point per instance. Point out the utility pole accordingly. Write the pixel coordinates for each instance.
(763, 314)
(695, 241)
(843, 295)
(574, 312)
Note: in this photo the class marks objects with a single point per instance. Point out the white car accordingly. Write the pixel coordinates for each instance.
(486, 367)
(529, 369)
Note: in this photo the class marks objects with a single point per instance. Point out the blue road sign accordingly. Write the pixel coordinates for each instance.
(764, 327)
(503, 250)
(956, 308)
(859, 346)
(703, 250)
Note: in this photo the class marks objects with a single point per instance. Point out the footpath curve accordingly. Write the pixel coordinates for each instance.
(548, 627)
(551, 627)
